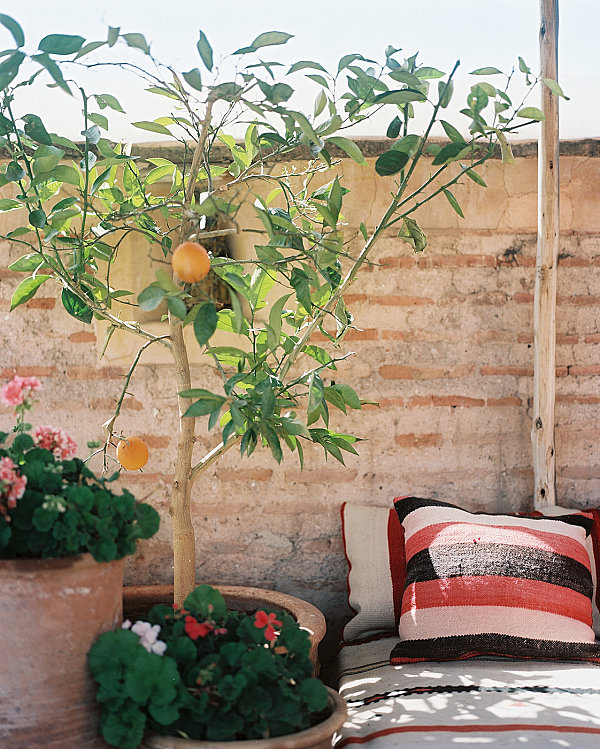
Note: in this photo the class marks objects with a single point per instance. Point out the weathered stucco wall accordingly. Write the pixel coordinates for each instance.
(444, 344)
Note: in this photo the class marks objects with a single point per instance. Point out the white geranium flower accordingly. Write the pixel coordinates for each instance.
(148, 635)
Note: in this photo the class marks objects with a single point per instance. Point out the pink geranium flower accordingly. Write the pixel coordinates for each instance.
(56, 440)
(269, 622)
(12, 485)
(19, 391)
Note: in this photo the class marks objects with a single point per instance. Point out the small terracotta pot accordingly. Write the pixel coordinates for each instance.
(51, 611)
(139, 599)
(316, 737)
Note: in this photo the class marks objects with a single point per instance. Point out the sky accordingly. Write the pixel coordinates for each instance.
(484, 33)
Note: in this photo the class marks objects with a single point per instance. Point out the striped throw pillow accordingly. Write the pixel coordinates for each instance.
(494, 585)
(374, 547)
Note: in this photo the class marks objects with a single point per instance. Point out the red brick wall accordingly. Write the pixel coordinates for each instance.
(444, 344)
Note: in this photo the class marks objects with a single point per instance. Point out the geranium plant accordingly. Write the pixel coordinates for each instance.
(237, 131)
(203, 672)
(51, 504)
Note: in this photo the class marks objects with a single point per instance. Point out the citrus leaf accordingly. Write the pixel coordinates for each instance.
(531, 113)
(14, 28)
(26, 290)
(349, 147)
(205, 51)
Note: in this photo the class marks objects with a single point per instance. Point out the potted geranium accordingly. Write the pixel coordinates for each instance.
(63, 536)
(201, 673)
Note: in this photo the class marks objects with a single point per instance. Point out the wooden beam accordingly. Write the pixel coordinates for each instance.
(544, 319)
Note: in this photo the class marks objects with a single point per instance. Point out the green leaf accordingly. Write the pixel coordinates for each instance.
(176, 307)
(393, 130)
(403, 76)
(523, 66)
(454, 203)
(348, 60)
(299, 282)
(475, 177)
(391, 162)
(64, 173)
(205, 406)
(27, 263)
(87, 48)
(14, 171)
(452, 132)
(555, 88)
(37, 218)
(304, 64)
(451, 152)
(363, 231)
(408, 144)
(205, 51)
(306, 127)
(445, 91)
(350, 397)
(34, 129)
(138, 41)
(61, 44)
(14, 28)
(113, 35)
(76, 307)
(403, 96)
(92, 134)
(531, 113)
(412, 233)
(6, 125)
(151, 297)
(266, 39)
(425, 73)
(26, 290)
(153, 127)
(486, 71)
(349, 147)
(316, 393)
(206, 602)
(46, 158)
(193, 78)
(10, 67)
(205, 322)
(8, 204)
(50, 65)
(99, 119)
(108, 100)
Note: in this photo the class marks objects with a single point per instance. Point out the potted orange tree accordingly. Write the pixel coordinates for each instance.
(250, 164)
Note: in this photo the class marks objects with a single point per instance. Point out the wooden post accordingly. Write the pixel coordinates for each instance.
(544, 319)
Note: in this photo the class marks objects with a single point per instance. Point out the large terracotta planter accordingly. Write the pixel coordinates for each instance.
(317, 737)
(139, 599)
(51, 611)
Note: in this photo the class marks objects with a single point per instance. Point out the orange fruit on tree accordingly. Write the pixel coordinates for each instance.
(191, 262)
(132, 453)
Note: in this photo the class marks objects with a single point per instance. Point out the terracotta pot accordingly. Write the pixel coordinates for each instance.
(317, 737)
(51, 611)
(139, 599)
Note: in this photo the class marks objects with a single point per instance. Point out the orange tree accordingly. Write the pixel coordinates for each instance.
(303, 264)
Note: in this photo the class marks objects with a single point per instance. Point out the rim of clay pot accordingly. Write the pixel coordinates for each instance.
(309, 617)
(50, 563)
(309, 737)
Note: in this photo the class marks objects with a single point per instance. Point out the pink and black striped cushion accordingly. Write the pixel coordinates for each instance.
(479, 584)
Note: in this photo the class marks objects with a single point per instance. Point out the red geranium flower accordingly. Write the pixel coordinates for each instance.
(269, 621)
(195, 629)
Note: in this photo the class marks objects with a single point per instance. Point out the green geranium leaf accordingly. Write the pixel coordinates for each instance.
(206, 601)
